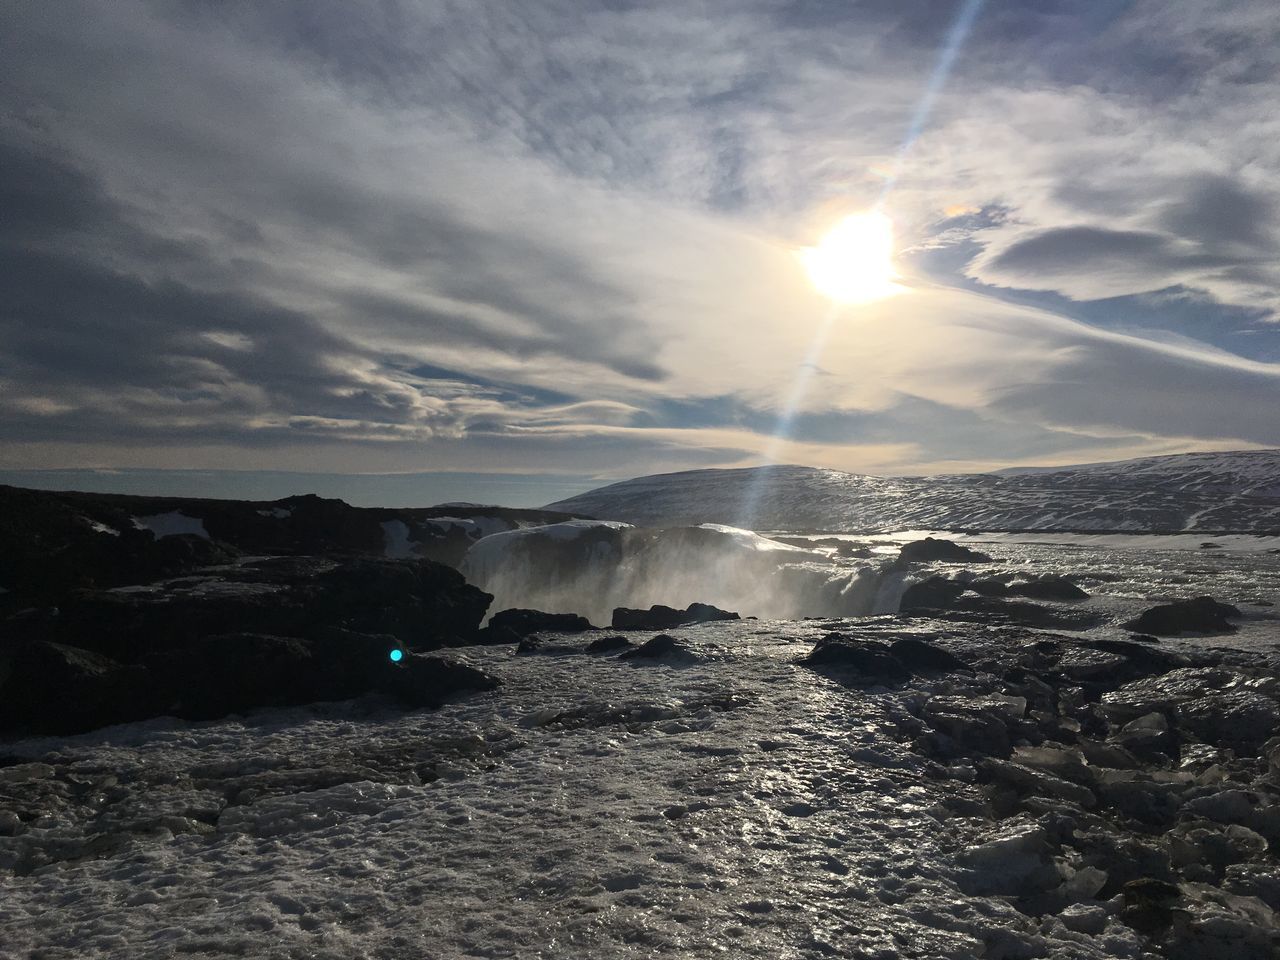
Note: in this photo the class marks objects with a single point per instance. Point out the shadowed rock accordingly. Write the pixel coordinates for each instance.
(660, 646)
(1198, 615)
(936, 593)
(929, 550)
(522, 623)
(608, 644)
(869, 660)
(51, 688)
(659, 617)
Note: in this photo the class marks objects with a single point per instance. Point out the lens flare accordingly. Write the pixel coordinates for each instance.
(396, 656)
(854, 262)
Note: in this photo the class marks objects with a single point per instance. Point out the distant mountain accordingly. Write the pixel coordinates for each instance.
(1204, 492)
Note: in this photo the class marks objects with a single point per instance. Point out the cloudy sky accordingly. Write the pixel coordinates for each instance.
(558, 238)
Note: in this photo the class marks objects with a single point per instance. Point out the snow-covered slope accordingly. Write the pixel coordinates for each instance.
(1206, 492)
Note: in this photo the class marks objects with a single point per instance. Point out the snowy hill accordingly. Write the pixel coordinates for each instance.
(1202, 492)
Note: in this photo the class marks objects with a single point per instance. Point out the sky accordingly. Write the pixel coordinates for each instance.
(491, 250)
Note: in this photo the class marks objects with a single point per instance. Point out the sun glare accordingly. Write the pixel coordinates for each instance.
(854, 262)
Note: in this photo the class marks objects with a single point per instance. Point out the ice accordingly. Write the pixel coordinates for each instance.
(736, 803)
(172, 524)
(749, 540)
(475, 527)
(395, 537)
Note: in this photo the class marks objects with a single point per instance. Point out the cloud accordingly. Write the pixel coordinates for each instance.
(480, 234)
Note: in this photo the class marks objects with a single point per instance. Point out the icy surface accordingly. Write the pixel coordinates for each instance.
(172, 524)
(749, 540)
(395, 536)
(733, 802)
(1238, 491)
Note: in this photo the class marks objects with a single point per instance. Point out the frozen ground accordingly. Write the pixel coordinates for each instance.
(728, 801)
(735, 804)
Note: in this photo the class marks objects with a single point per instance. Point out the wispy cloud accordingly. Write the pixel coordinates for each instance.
(493, 236)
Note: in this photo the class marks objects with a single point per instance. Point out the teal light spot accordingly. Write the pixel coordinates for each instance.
(396, 656)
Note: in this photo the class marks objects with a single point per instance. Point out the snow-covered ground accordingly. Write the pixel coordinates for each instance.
(728, 801)
(734, 803)
(1237, 491)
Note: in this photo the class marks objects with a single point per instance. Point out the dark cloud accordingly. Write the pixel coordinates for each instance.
(1217, 210)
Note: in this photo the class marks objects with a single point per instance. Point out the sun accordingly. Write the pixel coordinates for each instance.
(854, 262)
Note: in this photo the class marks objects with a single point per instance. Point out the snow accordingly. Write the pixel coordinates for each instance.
(734, 803)
(731, 801)
(749, 540)
(173, 524)
(395, 536)
(1238, 491)
(97, 527)
(475, 527)
(488, 552)
(278, 513)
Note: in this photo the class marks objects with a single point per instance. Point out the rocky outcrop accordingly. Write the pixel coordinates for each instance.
(1202, 615)
(512, 626)
(659, 617)
(54, 689)
(54, 542)
(931, 550)
(271, 632)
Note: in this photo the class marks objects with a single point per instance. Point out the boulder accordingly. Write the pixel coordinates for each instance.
(922, 657)
(1047, 588)
(524, 622)
(608, 644)
(426, 682)
(663, 645)
(935, 593)
(869, 660)
(1202, 615)
(52, 688)
(929, 550)
(659, 617)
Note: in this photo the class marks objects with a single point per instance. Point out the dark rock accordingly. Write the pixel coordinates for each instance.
(542, 645)
(659, 617)
(1047, 588)
(992, 610)
(1198, 615)
(608, 644)
(425, 605)
(213, 676)
(989, 587)
(525, 622)
(660, 646)
(870, 660)
(935, 593)
(929, 550)
(56, 689)
(1244, 719)
(920, 656)
(706, 613)
(427, 682)
(50, 688)
(1149, 904)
